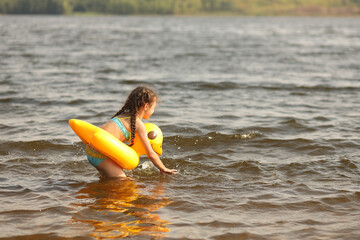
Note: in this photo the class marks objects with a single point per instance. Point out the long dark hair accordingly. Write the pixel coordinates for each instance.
(136, 99)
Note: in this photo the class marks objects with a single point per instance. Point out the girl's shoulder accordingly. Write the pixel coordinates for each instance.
(127, 119)
(140, 125)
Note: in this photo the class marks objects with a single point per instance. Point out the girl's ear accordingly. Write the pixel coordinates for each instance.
(146, 106)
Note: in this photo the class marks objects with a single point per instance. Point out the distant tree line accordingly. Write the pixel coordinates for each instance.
(31, 6)
(170, 7)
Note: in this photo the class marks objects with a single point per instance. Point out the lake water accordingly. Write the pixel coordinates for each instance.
(260, 116)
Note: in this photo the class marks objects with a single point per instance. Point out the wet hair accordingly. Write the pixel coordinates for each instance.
(136, 99)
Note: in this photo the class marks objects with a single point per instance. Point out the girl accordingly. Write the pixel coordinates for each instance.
(139, 105)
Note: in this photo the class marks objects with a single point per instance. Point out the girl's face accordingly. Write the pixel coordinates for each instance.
(149, 110)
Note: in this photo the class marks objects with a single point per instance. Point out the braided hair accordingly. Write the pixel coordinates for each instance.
(136, 99)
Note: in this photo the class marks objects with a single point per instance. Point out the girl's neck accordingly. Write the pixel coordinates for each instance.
(140, 113)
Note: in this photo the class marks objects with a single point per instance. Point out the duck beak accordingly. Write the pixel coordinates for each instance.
(157, 148)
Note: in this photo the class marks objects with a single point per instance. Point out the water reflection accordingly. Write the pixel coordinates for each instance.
(122, 208)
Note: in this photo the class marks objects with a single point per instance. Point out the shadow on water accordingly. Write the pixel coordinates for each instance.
(121, 208)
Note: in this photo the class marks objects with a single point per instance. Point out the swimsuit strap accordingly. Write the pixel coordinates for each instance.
(122, 128)
(123, 118)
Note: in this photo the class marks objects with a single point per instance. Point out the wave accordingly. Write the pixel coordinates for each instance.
(292, 135)
(44, 102)
(38, 146)
(234, 84)
(216, 156)
(210, 140)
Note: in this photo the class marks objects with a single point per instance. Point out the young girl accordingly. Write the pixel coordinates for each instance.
(139, 105)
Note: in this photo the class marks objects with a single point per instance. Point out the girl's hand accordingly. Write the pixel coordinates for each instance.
(168, 171)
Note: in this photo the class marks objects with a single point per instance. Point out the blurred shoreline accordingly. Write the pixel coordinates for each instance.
(182, 8)
(296, 13)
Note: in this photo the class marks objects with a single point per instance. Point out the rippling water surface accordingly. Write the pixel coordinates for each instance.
(260, 117)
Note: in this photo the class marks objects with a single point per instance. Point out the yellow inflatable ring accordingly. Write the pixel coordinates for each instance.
(103, 141)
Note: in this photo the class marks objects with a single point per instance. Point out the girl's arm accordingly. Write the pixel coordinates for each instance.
(152, 155)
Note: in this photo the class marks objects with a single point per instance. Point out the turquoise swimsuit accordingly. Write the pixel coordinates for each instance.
(93, 156)
(122, 128)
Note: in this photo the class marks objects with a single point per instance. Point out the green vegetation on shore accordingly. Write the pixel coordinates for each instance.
(183, 7)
